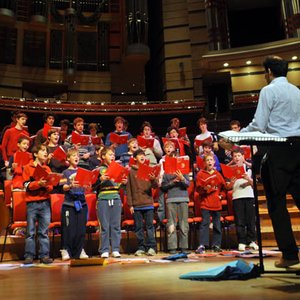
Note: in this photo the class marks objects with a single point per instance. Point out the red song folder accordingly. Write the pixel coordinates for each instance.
(51, 178)
(182, 131)
(211, 181)
(145, 143)
(116, 172)
(82, 139)
(86, 177)
(22, 158)
(96, 140)
(181, 163)
(200, 162)
(118, 139)
(247, 151)
(199, 143)
(60, 154)
(144, 171)
(232, 171)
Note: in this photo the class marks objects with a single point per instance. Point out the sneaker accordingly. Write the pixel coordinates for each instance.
(83, 255)
(200, 249)
(151, 252)
(64, 255)
(105, 255)
(242, 247)
(217, 249)
(28, 261)
(285, 263)
(46, 260)
(139, 253)
(172, 251)
(253, 246)
(116, 254)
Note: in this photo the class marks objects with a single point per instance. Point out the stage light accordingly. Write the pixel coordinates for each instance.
(226, 65)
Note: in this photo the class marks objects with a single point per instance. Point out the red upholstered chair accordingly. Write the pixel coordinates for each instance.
(228, 219)
(56, 201)
(18, 218)
(92, 223)
(8, 192)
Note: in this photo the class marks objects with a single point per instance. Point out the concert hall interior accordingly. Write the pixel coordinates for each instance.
(142, 60)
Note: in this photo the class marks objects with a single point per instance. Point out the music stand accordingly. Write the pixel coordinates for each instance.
(260, 141)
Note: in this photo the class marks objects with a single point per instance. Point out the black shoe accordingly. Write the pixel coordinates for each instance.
(28, 261)
(217, 249)
(46, 260)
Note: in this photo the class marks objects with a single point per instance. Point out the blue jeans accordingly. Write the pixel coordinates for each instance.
(139, 217)
(109, 215)
(40, 212)
(204, 228)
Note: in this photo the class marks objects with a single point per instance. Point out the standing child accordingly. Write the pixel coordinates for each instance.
(109, 207)
(211, 188)
(243, 204)
(140, 202)
(175, 185)
(74, 212)
(37, 199)
(16, 168)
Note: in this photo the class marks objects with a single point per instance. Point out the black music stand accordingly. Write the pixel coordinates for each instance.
(251, 143)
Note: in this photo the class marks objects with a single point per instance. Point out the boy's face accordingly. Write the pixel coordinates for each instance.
(238, 158)
(64, 127)
(203, 127)
(235, 127)
(50, 120)
(74, 159)
(79, 127)
(22, 121)
(23, 145)
(207, 149)
(209, 163)
(119, 126)
(42, 155)
(109, 157)
(173, 134)
(140, 158)
(54, 137)
(133, 146)
(169, 149)
(147, 131)
(93, 131)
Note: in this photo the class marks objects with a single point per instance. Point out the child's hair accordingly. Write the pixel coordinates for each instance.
(170, 128)
(119, 118)
(235, 122)
(36, 149)
(131, 141)
(22, 138)
(93, 126)
(138, 152)
(20, 115)
(65, 122)
(201, 121)
(78, 120)
(169, 143)
(237, 150)
(47, 115)
(52, 130)
(207, 144)
(208, 155)
(71, 152)
(146, 124)
(105, 150)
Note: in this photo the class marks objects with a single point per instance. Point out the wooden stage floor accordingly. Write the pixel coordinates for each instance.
(151, 280)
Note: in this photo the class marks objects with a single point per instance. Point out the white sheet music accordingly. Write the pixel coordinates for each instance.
(235, 137)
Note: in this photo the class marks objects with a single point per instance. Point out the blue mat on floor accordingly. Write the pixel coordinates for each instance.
(235, 270)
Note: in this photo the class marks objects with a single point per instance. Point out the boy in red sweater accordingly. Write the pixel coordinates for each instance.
(211, 188)
(38, 207)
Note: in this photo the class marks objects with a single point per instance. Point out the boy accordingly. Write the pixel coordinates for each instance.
(37, 199)
(49, 119)
(208, 149)
(211, 188)
(243, 204)
(132, 147)
(85, 151)
(140, 202)
(73, 213)
(175, 185)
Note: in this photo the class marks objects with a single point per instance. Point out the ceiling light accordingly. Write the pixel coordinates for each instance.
(226, 64)
(248, 62)
(294, 57)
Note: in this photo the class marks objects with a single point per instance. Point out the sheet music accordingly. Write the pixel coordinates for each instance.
(235, 137)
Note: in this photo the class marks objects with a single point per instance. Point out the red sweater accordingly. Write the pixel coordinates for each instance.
(210, 199)
(10, 141)
(34, 192)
